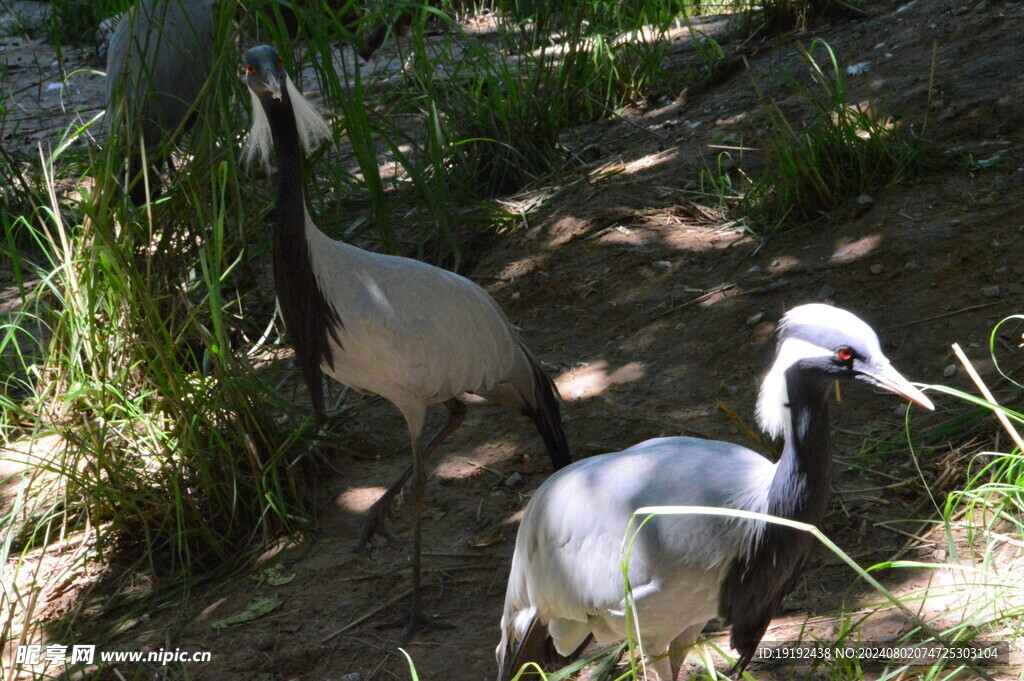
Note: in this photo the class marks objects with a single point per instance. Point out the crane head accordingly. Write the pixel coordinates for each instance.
(270, 86)
(825, 343)
(264, 71)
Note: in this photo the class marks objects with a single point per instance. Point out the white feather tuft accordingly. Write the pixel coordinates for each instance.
(773, 402)
(310, 123)
(313, 129)
(257, 145)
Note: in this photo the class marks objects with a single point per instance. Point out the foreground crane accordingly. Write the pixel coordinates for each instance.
(412, 333)
(566, 584)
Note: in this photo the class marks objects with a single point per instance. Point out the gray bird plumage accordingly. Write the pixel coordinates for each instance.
(158, 60)
(566, 581)
(410, 332)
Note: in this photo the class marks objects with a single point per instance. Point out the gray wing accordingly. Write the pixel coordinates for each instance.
(566, 569)
(412, 332)
(159, 58)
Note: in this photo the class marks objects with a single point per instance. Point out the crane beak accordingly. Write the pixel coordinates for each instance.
(274, 85)
(884, 376)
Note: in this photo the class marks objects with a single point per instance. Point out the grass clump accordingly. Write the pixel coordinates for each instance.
(139, 405)
(822, 170)
(787, 15)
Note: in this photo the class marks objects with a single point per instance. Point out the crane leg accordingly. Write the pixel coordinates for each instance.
(376, 520)
(417, 618)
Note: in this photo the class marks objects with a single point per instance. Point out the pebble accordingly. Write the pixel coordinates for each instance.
(993, 291)
(989, 199)
(755, 319)
(354, 676)
(827, 291)
(901, 409)
(664, 264)
(1002, 270)
(516, 295)
(949, 372)
(865, 200)
(910, 266)
(264, 642)
(877, 268)
(514, 480)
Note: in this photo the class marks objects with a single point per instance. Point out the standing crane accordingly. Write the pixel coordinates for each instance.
(158, 60)
(410, 332)
(566, 583)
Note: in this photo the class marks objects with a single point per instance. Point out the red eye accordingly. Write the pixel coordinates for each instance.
(250, 69)
(845, 354)
(280, 63)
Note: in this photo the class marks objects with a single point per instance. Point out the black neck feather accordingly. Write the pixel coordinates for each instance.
(310, 319)
(756, 584)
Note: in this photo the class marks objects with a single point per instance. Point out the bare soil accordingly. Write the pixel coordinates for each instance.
(650, 310)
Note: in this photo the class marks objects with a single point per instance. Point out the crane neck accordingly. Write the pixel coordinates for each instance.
(291, 202)
(311, 320)
(800, 488)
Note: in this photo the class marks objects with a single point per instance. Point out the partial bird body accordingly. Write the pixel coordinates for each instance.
(393, 340)
(566, 581)
(675, 560)
(158, 60)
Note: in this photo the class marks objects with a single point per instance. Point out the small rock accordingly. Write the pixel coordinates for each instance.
(516, 296)
(733, 389)
(989, 199)
(664, 264)
(691, 186)
(993, 291)
(877, 268)
(865, 200)
(1002, 270)
(949, 372)
(981, 6)
(755, 319)
(940, 555)
(264, 642)
(827, 291)
(901, 409)
(514, 480)
(354, 676)
(776, 263)
(910, 266)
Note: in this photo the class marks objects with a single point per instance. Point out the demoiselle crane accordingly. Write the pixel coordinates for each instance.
(158, 60)
(410, 332)
(566, 583)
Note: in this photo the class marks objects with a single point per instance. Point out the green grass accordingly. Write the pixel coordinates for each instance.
(818, 170)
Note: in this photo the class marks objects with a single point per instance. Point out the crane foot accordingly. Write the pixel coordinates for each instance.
(376, 522)
(415, 622)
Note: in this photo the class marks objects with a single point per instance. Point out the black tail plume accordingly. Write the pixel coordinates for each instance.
(538, 648)
(546, 413)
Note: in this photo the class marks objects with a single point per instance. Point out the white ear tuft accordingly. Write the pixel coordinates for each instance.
(257, 145)
(312, 127)
(773, 402)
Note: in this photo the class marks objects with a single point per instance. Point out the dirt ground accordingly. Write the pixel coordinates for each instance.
(649, 310)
